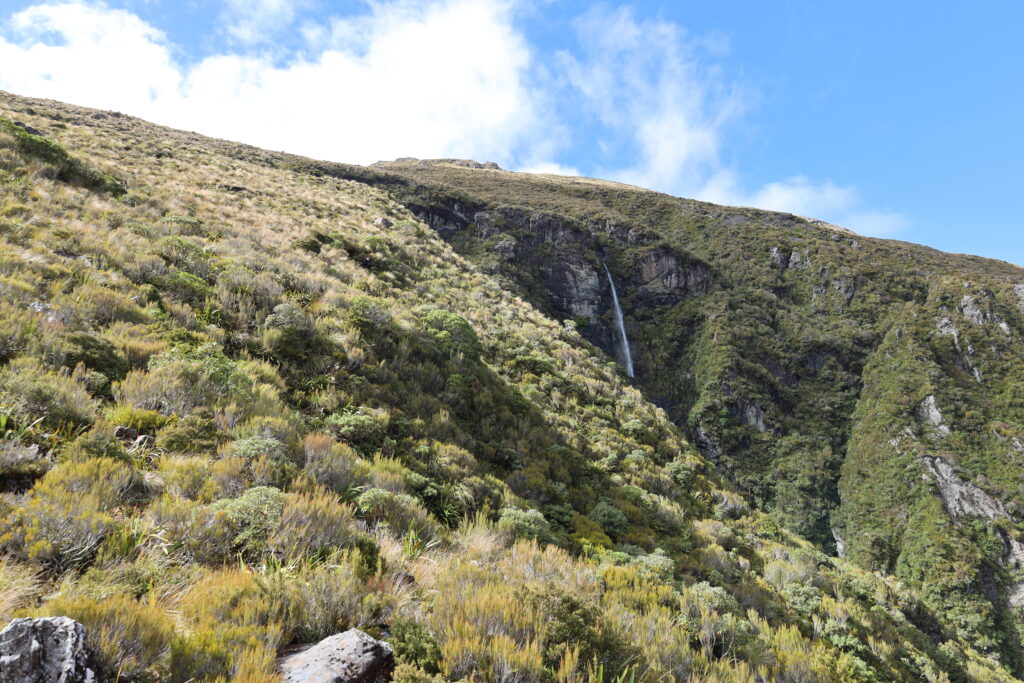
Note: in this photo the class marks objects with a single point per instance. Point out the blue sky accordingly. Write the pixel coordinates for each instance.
(893, 119)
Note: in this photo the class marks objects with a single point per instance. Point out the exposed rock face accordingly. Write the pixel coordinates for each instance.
(964, 499)
(840, 543)
(785, 261)
(349, 657)
(947, 328)
(1019, 291)
(973, 312)
(930, 414)
(50, 650)
(575, 285)
(750, 414)
(707, 445)
(667, 279)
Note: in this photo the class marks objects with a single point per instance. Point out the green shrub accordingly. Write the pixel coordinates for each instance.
(142, 420)
(184, 476)
(67, 168)
(67, 514)
(611, 520)
(32, 393)
(267, 458)
(315, 524)
(414, 645)
(335, 466)
(402, 513)
(332, 596)
(588, 533)
(369, 315)
(183, 225)
(525, 524)
(183, 379)
(361, 431)
(225, 652)
(131, 639)
(98, 442)
(453, 333)
(195, 433)
(251, 517)
(235, 630)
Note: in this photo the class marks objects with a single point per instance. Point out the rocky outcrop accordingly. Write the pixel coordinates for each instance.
(49, 650)
(349, 657)
(664, 278)
(964, 499)
(750, 414)
(947, 328)
(1018, 290)
(707, 444)
(840, 543)
(784, 260)
(576, 287)
(930, 414)
(972, 311)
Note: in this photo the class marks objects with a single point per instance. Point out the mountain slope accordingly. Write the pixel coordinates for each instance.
(344, 422)
(756, 331)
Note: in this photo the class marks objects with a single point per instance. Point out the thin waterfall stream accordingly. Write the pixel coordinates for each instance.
(621, 322)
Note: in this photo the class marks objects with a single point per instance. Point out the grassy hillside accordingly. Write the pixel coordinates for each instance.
(249, 400)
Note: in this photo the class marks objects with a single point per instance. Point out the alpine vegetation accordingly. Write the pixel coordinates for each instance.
(251, 402)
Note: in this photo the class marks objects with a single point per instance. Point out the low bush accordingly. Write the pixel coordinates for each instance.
(131, 639)
(184, 476)
(316, 524)
(402, 514)
(335, 466)
(525, 524)
(19, 586)
(66, 167)
(142, 420)
(31, 393)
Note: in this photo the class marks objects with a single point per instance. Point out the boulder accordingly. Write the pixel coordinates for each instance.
(50, 650)
(126, 433)
(349, 657)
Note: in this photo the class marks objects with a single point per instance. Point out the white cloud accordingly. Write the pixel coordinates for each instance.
(649, 84)
(549, 167)
(250, 21)
(104, 58)
(841, 205)
(427, 78)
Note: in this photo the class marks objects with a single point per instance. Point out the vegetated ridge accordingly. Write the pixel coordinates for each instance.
(249, 400)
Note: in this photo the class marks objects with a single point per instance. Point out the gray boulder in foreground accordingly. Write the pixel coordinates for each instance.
(349, 657)
(50, 650)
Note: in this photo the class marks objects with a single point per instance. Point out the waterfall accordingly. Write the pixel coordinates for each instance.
(621, 322)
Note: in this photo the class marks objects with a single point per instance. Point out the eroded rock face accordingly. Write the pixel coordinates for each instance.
(667, 279)
(49, 650)
(1019, 291)
(972, 311)
(349, 657)
(964, 499)
(929, 412)
(575, 285)
(750, 414)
